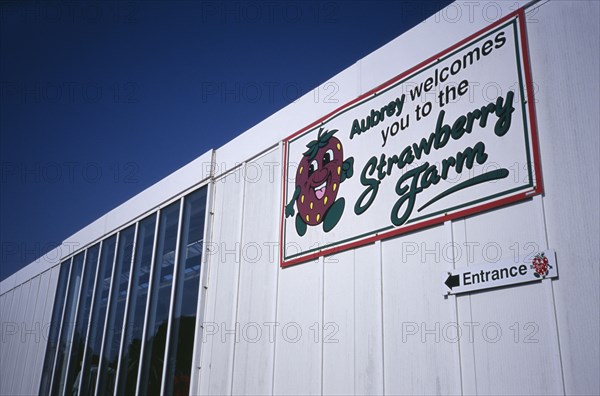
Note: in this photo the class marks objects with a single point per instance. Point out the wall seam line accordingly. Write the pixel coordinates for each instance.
(239, 275)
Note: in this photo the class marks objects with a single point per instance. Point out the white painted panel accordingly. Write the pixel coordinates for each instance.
(507, 360)
(337, 329)
(462, 258)
(565, 60)
(45, 262)
(29, 336)
(36, 324)
(15, 338)
(298, 358)
(368, 321)
(21, 345)
(47, 286)
(421, 352)
(224, 262)
(36, 267)
(5, 300)
(11, 338)
(6, 324)
(254, 353)
(7, 284)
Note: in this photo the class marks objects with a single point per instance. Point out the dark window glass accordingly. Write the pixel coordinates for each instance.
(114, 322)
(57, 313)
(181, 342)
(82, 319)
(134, 326)
(158, 310)
(94, 343)
(64, 345)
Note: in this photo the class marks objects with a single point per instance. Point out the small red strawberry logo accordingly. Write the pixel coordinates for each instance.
(540, 265)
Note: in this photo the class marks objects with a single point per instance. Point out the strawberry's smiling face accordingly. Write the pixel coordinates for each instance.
(318, 176)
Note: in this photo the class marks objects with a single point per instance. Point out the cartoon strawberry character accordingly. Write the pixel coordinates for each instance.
(318, 179)
(540, 265)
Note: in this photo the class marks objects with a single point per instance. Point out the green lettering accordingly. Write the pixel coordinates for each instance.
(407, 194)
(504, 113)
(458, 127)
(442, 132)
(424, 146)
(406, 157)
(430, 176)
(371, 184)
(355, 129)
(469, 155)
(485, 111)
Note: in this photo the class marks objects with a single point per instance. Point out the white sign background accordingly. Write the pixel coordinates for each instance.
(492, 64)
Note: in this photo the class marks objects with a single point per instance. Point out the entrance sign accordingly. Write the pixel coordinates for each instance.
(502, 273)
(452, 136)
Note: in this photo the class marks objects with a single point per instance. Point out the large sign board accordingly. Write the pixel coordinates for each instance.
(452, 136)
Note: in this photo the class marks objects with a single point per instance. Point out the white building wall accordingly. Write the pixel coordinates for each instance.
(394, 333)
(565, 61)
(373, 319)
(43, 313)
(25, 318)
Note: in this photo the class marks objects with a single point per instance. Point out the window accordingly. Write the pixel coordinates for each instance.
(99, 305)
(114, 322)
(66, 334)
(125, 309)
(134, 326)
(160, 300)
(181, 342)
(82, 319)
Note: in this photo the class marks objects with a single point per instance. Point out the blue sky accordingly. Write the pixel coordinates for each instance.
(100, 100)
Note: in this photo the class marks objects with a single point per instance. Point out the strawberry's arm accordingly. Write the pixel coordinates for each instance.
(289, 208)
(347, 169)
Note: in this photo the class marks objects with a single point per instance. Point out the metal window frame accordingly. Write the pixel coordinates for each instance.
(87, 333)
(126, 311)
(150, 290)
(62, 317)
(108, 306)
(204, 274)
(68, 360)
(209, 183)
(172, 297)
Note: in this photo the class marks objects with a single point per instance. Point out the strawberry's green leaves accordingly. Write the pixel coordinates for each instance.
(313, 149)
(326, 136)
(321, 141)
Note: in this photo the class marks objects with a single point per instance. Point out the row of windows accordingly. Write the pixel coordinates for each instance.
(124, 315)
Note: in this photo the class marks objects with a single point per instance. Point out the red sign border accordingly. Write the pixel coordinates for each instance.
(539, 189)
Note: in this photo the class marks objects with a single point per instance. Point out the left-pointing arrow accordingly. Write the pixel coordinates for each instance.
(453, 280)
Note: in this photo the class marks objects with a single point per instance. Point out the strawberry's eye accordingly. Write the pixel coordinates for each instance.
(313, 167)
(328, 157)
